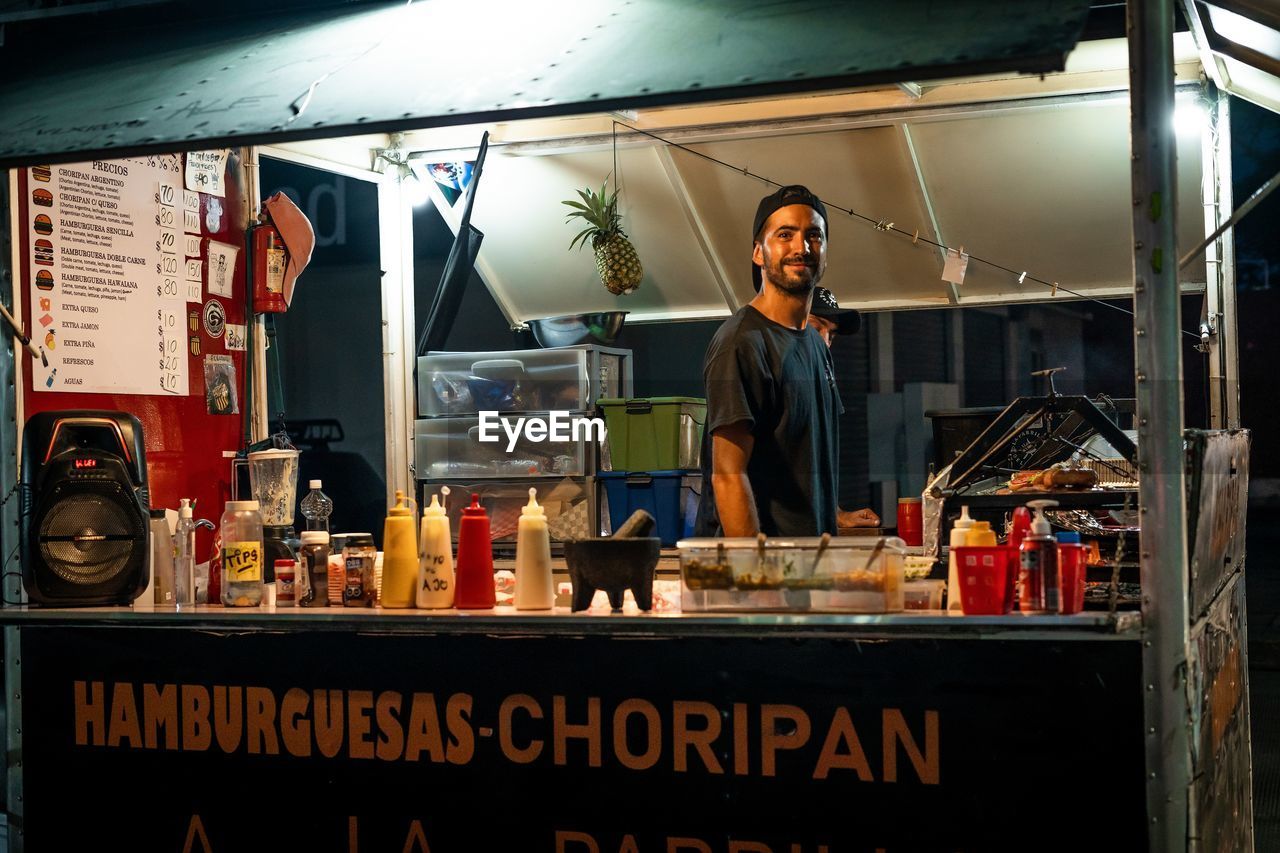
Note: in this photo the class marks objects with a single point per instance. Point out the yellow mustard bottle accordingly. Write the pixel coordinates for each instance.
(435, 568)
(399, 554)
(980, 535)
(533, 558)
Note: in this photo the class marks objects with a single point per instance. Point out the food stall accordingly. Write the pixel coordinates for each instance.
(256, 728)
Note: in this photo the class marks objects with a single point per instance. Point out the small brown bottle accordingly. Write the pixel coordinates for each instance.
(313, 575)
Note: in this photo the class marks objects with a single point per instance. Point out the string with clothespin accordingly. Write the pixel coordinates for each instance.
(884, 224)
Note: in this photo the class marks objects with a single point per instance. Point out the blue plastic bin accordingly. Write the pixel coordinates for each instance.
(671, 497)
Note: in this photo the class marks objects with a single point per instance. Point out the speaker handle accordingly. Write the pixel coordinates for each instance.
(89, 422)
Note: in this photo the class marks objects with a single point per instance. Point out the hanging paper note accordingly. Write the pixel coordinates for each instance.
(954, 268)
(191, 245)
(236, 336)
(222, 265)
(205, 170)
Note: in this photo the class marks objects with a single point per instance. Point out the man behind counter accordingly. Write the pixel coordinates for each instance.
(771, 445)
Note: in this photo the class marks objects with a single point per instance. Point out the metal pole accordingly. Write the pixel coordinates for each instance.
(1158, 367)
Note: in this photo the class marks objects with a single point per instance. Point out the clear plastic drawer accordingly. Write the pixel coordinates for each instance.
(450, 448)
(562, 378)
(571, 505)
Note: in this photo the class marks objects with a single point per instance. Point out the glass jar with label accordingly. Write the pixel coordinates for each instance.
(313, 569)
(242, 554)
(358, 557)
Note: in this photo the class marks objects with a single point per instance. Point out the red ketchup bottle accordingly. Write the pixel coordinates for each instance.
(474, 571)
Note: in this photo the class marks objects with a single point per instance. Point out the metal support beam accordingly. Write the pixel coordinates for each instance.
(926, 200)
(1228, 324)
(11, 416)
(681, 189)
(395, 236)
(1158, 367)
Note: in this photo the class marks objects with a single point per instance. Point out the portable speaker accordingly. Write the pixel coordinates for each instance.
(84, 509)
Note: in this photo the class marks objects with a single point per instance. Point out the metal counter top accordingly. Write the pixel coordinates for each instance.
(506, 621)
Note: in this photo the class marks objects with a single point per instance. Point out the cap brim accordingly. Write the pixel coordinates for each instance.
(848, 321)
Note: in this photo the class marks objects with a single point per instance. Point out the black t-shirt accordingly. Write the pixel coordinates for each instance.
(781, 382)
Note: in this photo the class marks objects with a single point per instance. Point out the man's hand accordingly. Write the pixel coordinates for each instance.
(857, 518)
(731, 448)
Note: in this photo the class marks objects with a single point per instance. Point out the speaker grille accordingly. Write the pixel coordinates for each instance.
(89, 535)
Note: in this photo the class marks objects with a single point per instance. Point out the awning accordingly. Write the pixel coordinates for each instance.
(136, 82)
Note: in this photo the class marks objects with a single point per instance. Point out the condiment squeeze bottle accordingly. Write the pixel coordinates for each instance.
(533, 558)
(400, 554)
(435, 567)
(475, 560)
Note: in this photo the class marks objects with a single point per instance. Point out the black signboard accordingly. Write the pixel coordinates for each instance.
(176, 740)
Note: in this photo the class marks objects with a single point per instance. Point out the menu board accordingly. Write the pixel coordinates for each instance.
(107, 283)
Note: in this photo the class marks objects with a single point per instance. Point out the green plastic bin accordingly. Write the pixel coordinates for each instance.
(654, 433)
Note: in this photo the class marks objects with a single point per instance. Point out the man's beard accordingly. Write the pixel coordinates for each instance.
(778, 277)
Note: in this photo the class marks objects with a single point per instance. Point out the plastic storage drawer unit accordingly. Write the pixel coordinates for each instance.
(654, 433)
(671, 497)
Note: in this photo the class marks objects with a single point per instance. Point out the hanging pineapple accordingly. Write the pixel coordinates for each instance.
(616, 259)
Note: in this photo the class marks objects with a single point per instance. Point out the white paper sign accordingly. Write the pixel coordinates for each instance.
(191, 201)
(222, 266)
(954, 268)
(205, 170)
(235, 336)
(193, 290)
(191, 245)
(106, 278)
(191, 222)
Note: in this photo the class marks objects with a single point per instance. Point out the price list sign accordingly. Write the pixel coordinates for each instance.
(108, 263)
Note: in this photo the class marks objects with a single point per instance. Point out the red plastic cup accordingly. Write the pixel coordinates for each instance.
(1073, 561)
(986, 576)
(910, 521)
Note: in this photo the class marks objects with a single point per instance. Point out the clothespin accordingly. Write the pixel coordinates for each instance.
(915, 238)
(1022, 277)
(1055, 289)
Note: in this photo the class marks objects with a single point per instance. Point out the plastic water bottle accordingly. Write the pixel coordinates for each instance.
(316, 508)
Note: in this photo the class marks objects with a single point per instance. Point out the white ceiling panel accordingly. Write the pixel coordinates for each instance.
(526, 237)
(867, 170)
(1046, 190)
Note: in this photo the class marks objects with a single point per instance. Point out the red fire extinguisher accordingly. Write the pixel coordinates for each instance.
(270, 257)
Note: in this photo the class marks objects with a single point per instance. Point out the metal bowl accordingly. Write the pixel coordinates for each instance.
(600, 327)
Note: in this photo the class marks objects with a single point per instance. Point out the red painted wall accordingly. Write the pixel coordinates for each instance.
(184, 444)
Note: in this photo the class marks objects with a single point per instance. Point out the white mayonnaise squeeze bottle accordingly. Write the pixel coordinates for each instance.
(435, 565)
(958, 532)
(533, 558)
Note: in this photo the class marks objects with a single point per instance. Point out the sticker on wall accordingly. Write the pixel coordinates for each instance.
(235, 337)
(195, 345)
(222, 267)
(220, 385)
(215, 318)
(213, 215)
(205, 170)
(193, 321)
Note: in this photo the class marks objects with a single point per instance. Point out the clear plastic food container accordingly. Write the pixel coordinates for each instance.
(857, 575)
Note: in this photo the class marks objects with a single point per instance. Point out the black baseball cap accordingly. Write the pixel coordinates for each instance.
(784, 197)
(824, 305)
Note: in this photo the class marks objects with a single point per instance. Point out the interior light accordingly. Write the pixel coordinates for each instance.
(416, 190)
(1190, 118)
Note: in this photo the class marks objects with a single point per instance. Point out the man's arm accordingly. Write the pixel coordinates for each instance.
(731, 447)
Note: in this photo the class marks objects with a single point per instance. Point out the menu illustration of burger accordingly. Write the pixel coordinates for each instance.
(112, 318)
